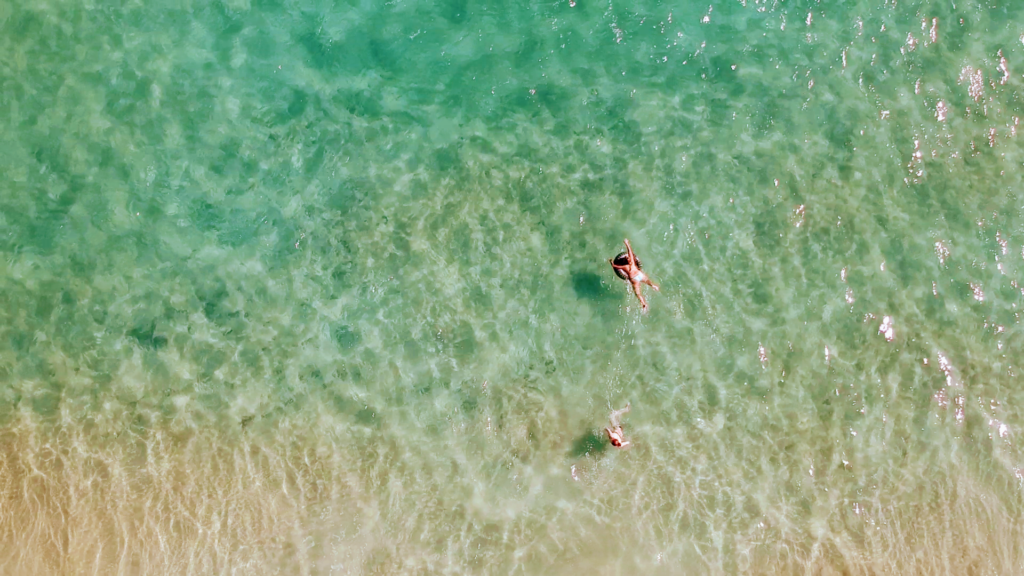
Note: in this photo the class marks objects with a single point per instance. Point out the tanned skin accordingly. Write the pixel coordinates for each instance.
(635, 275)
(615, 434)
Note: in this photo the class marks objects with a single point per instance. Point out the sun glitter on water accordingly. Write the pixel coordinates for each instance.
(323, 289)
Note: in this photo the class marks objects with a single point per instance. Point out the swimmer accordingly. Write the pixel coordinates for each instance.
(627, 266)
(615, 433)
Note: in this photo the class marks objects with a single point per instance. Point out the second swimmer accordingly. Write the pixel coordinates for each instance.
(615, 433)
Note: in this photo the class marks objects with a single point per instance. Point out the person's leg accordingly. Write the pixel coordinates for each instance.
(640, 295)
(616, 416)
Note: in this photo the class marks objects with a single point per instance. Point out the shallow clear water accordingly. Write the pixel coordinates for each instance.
(317, 288)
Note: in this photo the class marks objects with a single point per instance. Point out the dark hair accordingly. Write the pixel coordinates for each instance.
(623, 260)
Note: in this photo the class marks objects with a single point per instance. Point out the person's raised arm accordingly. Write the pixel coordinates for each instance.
(632, 257)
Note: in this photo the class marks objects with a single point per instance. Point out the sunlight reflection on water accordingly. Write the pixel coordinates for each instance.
(290, 288)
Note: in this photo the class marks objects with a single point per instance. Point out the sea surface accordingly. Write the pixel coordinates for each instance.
(309, 287)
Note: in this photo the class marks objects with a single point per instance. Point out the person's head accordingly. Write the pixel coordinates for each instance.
(623, 260)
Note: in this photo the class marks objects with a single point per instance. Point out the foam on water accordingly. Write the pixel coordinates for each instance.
(302, 288)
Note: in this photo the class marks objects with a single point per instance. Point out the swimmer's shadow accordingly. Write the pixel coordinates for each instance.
(590, 286)
(589, 443)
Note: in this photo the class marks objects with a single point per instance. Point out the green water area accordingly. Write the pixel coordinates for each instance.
(310, 287)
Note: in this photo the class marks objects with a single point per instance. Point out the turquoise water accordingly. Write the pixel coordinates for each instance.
(317, 288)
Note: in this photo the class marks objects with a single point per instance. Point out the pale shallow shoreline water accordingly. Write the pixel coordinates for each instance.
(304, 288)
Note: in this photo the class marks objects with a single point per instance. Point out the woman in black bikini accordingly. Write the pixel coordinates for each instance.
(627, 267)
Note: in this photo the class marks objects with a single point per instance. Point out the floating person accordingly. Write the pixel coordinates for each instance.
(627, 266)
(615, 434)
